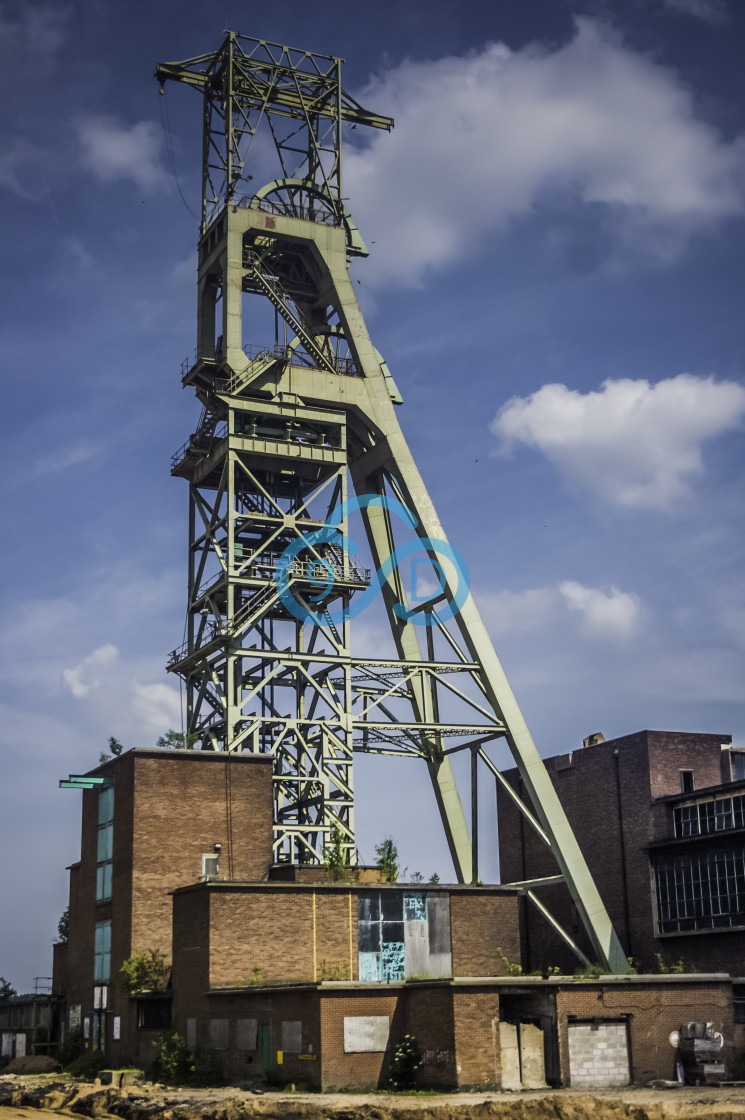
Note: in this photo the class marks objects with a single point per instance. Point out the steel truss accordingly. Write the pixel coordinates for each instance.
(267, 659)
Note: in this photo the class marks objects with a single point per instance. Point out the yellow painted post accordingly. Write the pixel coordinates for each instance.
(351, 944)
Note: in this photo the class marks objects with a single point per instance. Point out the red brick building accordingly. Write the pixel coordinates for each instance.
(288, 975)
(660, 818)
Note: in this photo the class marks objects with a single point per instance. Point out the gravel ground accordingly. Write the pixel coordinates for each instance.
(29, 1098)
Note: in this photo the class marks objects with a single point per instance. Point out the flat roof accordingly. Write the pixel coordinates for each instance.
(249, 887)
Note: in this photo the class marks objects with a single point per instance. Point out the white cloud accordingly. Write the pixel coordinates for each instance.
(157, 706)
(113, 151)
(85, 676)
(631, 443)
(82, 451)
(505, 611)
(607, 612)
(710, 11)
(482, 139)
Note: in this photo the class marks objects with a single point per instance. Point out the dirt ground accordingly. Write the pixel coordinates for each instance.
(28, 1098)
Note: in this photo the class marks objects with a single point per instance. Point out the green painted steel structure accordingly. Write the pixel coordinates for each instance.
(283, 431)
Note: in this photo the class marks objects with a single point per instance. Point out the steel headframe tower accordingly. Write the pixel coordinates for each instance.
(267, 662)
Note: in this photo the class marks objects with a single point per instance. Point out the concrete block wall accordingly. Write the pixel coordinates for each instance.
(598, 1055)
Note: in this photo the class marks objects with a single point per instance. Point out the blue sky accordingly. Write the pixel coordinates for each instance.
(556, 283)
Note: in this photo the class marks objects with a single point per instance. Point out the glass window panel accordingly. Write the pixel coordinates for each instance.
(706, 816)
(392, 906)
(369, 937)
(105, 842)
(723, 814)
(738, 812)
(102, 957)
(392, 932)
(701, 891)
(106, 804)
(368, 906)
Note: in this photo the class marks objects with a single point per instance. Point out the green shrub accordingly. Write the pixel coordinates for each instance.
(336, 855)
(88, 1065)
(387, 860)
(149, 972)
(176, 1064)
(406, 1062)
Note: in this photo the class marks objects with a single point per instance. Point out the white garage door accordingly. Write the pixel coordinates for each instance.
(598, 1055)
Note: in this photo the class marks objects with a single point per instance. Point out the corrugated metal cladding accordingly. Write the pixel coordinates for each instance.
(403, 933)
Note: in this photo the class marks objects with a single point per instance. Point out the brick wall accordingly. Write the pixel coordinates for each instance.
(169, 809)
(269, 1007)
(277, 932)
(475, 1026)
(185, 803)
(654, 1009)
(671, 752)
(484, 928)
(340, 1070)
(429, 1018)
(270, 928)
(607, 793)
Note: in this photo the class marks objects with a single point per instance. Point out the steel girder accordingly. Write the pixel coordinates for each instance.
(268, 664)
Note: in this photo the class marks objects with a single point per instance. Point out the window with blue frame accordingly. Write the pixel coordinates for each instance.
(105, 851)
(102, 951)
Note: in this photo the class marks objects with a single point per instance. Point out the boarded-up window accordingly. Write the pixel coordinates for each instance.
(365, 1034)
(292, 1036)
(219, 1033)
(191, 1033)
(246, 1032)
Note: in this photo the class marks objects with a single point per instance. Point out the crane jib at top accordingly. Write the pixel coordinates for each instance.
(277, 86)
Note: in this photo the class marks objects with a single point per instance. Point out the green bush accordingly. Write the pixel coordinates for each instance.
(88, 1065)
(149, 972)
(406, 1062)
(176, 1064)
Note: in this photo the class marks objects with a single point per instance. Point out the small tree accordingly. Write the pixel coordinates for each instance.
(434, 877)
(149, 972)
(63, 927)
(335, 855)
(177, 741)
(387, 861)
(7, 991)
(115, 747)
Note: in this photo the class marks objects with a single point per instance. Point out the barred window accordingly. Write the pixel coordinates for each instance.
(703, 890)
